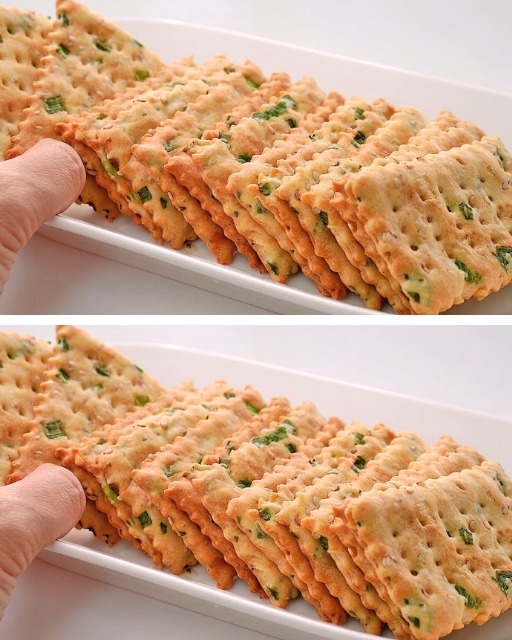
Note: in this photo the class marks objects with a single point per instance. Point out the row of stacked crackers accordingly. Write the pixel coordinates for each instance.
(359, 196)
(360, 521)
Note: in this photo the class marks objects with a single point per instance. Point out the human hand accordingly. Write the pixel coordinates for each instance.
(35, 511)
(34, 187)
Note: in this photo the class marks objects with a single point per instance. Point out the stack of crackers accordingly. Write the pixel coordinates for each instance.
(360, 521)
(360, 197)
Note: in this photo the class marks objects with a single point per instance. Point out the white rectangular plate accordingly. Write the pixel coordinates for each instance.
(126, 242)
(125, 567)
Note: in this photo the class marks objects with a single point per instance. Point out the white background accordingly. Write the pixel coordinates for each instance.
(464, 366)
(461, 40)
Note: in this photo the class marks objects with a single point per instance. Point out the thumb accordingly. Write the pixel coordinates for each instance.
(37, 510)
(37, 185)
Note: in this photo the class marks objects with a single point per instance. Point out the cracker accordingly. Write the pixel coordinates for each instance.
(275, 85)
(442, 133)
(310, 189)
(352, 474)
(87, 385)
(112, 134)
(97, 197)
(178, 131)
(156, 473)
(206, 175)
(112, 202)
(441, 248)
(240, 508)
(341, 453)
(23, 362)
(97, 522)
(355, 113)
(102, 464)
(216, 484)
(437, 557)
(253, 197)
(445, 457)
(23, 36)
(87, 59)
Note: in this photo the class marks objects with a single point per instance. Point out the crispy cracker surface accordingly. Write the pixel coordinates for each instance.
(86, 60)
(441, 223)
(23, 362)
(23, 37)
(87, 385)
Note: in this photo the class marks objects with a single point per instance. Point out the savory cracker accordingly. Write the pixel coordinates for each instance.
(219, 483)
(86, 60)
(87, 385)
(207, 175)
(178, 131)
(240, 507)
(440, 223)
(283, 159)
(443, 133)
(156, 473)
(23, 362)
(351, 447)
(252, 197)
(310, 189)
(112, 134)
(23, 37)
(111, 456)
(434, 553)
(445, 457)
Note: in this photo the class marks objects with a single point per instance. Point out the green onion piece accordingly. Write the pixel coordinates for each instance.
(243, 483)
(359, 113)
(54, 104)
(265, 514)
(140, 401)
(62, 375)
(63, 50)
(273, 592)
(501, 580)
(252, 83)
(145, 194)
(243, 158)
(102, 45)
(359, 139)
(471, 602)
(171, 469)
(466, 535)
(285, 104)
(324, 542)
(274, 436)
(109, 167)
(63, 19)
(102, 371)
(163, 202)
(504, 256)
(54, 429)
(265, 188)
(163, 527)
(470, 276)
(109, 492)
(254, 410)
(141, 74)
(144, 519)
(359, 464)
(359, 438)
(466, 211)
